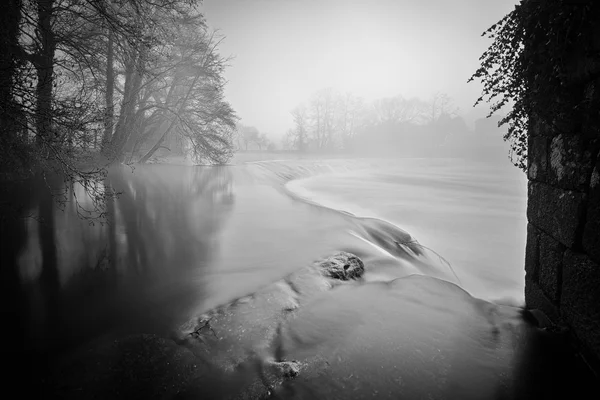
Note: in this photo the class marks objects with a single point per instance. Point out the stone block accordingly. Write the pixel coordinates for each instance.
(580, 300)
(555, 211)
(562, 119)
(590, 129)
(591, 232)
(532, 253)
(540, 128)
(536, 299)
(550, 266)
(538, 158)
(570, 162)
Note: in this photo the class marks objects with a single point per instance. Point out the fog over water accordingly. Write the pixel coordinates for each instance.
(183, 239)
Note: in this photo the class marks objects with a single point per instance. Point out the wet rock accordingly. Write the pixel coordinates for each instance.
(343, 266)
(288, 369)
(537, 317)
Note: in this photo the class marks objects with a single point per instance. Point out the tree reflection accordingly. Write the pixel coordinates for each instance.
(14, 302)
(170, 216)
(71, 281)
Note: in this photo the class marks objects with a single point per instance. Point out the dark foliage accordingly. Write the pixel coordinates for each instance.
(533, 66)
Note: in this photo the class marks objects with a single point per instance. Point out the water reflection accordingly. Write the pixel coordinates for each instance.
(135, 273)
(179, 240)
(167, 218)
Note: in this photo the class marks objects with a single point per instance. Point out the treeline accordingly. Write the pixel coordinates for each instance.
(250, 138)
(334, 122)
(113, 80)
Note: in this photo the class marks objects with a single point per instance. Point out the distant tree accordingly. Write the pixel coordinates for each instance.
(298, 136)
(262, 141)
(322, 117)
(334, 121)
(328, 122)
(395, 110)
(287, 140)
(439, 105)
(350, 118)
(248, 135)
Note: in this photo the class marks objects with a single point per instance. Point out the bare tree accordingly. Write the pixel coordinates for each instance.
(263, 141)
(398, 110)
(298, 136)
(439, 105)
(173, 90)
(322, 115)
(75, 68)
(109, 113)
(247, 135)
(350, 118)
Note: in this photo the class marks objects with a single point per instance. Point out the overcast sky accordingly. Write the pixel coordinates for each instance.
(285, 50)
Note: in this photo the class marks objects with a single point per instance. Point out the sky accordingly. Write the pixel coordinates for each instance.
(283, 51)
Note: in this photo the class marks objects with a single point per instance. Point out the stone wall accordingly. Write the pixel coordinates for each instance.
(563, 234)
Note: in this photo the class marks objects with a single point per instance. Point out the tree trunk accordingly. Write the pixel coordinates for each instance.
(133, 82)
(160, 141)
(9, 35)
(44, 65)
(110, 87)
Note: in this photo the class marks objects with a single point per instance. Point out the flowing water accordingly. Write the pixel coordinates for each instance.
(182, 240)
(472, 213)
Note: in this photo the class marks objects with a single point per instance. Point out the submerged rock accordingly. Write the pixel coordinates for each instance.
(343, 266)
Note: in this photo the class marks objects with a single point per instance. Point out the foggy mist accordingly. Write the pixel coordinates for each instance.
(295, 199)
(285, 51)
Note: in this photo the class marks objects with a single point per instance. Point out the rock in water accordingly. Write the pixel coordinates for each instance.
(343, 266)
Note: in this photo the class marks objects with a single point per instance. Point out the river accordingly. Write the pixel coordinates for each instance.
(182, 240)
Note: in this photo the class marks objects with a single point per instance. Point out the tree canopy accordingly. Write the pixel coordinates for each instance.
(86, 83)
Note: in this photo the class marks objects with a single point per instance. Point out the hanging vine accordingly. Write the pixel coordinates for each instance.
(534, 67)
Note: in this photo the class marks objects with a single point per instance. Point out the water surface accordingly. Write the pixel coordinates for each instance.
(181, 241)
(471, 213)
